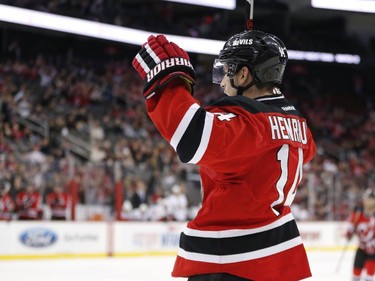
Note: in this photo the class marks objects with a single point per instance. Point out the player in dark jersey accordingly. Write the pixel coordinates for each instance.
(250, 146)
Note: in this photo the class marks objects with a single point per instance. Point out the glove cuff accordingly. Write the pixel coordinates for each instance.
(166, 70)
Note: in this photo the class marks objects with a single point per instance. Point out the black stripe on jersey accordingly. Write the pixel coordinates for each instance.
(254, 106)
(240, 244)
(147, 58)
(191, 138)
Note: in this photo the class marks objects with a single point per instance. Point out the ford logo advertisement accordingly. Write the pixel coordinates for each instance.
(38, 237)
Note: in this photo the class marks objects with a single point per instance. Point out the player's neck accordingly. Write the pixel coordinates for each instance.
(254, 92)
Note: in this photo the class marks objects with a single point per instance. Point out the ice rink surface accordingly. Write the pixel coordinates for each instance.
(146, 268)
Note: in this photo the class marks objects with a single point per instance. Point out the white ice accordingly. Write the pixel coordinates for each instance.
(325, 266)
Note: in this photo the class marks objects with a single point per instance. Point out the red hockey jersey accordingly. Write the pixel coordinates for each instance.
(28, 205)
(364, 227)
(58, 202)
(250, 153)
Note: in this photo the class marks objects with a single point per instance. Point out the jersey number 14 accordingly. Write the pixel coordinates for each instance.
(285, 188)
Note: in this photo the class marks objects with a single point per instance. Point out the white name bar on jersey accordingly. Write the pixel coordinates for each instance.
(287, 128)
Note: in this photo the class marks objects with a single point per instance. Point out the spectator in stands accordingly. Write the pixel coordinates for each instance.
(36, 156)
(177, 204)
(142, 213)
(24, 106)
(158, 210)
(58, 201)
(126, 211)
(138, 196)
(28, 203)
(4, 146)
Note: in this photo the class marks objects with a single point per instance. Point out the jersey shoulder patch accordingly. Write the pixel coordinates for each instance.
(224, 116)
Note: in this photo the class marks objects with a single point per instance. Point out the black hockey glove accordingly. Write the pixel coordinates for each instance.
(159, 61)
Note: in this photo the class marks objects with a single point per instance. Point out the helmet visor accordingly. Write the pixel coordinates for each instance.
(218, 71)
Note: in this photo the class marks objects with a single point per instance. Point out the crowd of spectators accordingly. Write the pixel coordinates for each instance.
(64, 119)
(104, 110)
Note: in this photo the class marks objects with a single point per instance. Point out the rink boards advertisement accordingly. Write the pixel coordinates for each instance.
(146, 237)
(33, 239)
(93, 239)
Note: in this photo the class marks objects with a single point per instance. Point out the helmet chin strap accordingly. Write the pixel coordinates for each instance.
(240, 89)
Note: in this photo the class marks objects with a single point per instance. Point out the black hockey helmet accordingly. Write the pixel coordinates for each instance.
(264, 54)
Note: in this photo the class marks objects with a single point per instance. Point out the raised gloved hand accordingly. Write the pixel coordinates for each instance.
(159, 61)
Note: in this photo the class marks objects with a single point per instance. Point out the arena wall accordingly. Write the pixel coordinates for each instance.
(41, 239)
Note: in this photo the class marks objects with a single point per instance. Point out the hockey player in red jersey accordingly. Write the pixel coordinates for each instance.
(250, 146)
(362, 224)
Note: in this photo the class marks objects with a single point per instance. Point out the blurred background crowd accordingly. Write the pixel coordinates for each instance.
(73, 115)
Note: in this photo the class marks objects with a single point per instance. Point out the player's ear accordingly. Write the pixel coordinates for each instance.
(244, 76)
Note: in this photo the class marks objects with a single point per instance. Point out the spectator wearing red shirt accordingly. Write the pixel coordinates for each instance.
(58, 201)
(28, 203)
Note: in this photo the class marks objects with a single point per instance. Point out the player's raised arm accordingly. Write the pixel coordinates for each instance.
(169, 80)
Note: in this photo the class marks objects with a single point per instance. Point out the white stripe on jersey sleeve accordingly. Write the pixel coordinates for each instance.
(207, 129)
(189, 114)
